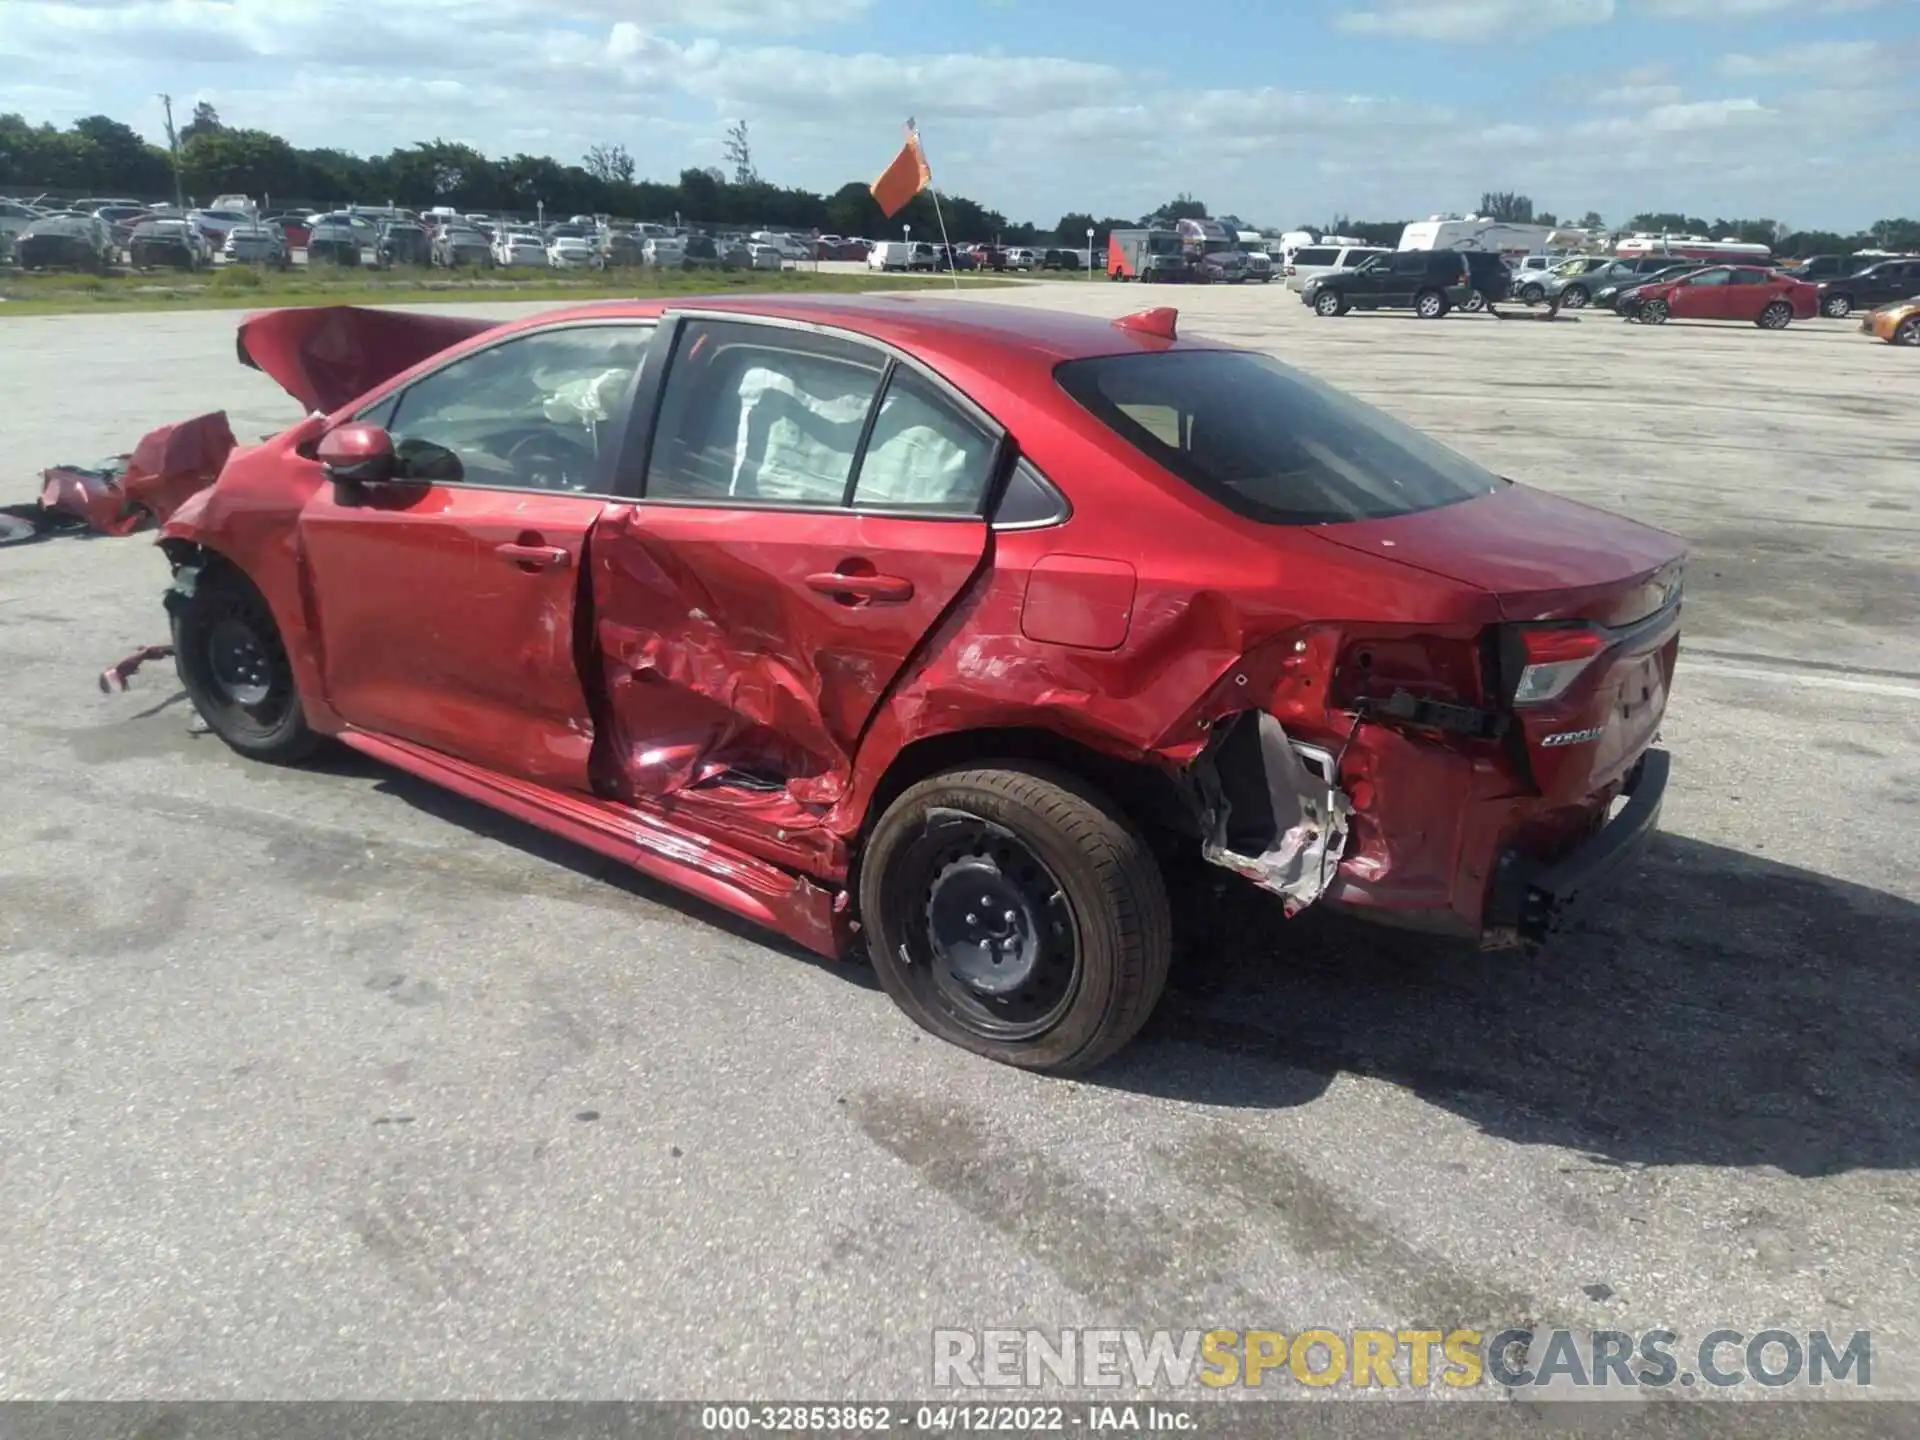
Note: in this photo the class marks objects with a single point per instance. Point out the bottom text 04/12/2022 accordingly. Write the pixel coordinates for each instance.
(946, 1419)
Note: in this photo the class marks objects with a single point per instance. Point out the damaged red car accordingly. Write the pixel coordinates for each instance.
(947, 629)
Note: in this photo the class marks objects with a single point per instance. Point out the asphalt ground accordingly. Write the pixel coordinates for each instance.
(322, 1083)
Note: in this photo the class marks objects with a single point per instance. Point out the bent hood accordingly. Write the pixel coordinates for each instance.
(329, 354)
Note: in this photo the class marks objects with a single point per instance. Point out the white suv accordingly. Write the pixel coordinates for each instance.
(1311, 260)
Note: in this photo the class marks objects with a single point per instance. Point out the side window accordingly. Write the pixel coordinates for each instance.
(1414, 262)
(923, 454)
(1708, 277)
(761, 413)
(1748, 277)
(531, 413)
(381, 413)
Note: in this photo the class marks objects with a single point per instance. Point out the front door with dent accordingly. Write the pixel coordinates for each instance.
(448, 599)
(810, 509)
(1700, 297)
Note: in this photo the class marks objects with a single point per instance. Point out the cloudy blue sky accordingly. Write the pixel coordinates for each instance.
(1288, 111)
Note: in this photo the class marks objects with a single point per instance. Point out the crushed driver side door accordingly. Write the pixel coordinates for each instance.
(447, 599)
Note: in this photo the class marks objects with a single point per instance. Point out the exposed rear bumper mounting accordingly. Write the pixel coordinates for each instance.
(1530, 898)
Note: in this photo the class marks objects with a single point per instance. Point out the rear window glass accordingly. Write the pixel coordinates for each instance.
(1269, 442)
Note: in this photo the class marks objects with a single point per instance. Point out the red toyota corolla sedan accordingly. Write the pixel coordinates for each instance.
(1766, 298)
(936, 626)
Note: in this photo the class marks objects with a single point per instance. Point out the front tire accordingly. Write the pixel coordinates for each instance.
(1837, 307)
(1532, 294)
(1475, 302)
(1017, 914)
(1654, 312)
(234, 667)
(1574, 297)
(1907, 332)
(1329, 304)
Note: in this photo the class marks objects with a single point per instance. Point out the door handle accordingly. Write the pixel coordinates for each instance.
(852, 589)
(533, 557)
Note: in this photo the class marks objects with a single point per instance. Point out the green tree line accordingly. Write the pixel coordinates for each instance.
(99, 155)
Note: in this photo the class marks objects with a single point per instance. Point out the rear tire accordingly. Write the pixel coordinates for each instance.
(1017, 914)
(1429, 305)
(1532, 294)
(1574, 297)
(1777, 315)
(234, 667)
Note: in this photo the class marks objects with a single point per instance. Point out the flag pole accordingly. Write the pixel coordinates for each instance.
(946, 245)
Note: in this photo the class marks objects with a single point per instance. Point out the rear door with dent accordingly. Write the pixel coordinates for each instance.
(809, 507)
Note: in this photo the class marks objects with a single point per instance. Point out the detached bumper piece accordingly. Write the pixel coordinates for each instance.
(130, 492)
(1531, 899)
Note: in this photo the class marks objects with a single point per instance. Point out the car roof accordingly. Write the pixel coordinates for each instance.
(968, 332)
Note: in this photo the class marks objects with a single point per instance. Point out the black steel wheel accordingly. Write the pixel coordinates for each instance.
(234, 667)
(1017, 914)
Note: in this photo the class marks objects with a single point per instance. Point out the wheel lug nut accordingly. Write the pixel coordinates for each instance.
(1009, 917)
(973, 919)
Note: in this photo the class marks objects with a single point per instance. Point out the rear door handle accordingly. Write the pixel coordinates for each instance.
(533, 557)
(879, 589)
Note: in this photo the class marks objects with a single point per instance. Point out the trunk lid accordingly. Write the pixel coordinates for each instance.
(1592, 593)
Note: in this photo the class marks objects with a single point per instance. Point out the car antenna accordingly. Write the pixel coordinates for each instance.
(1158, 322)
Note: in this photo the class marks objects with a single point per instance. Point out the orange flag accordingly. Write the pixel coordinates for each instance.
(905, 178)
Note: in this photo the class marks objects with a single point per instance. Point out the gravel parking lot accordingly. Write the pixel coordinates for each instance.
(324, 1083)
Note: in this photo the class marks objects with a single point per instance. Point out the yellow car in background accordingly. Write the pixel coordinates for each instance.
(1897, 324)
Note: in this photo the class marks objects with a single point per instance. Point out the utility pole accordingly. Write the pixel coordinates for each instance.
(173, 146)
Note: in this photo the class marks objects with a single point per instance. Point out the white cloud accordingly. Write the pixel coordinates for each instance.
(1470, 20)
(1030, 135)
(1825, 58)
(1635, 96)
(1749, 9)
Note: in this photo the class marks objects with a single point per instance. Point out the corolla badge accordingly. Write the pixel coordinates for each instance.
(1575, 737)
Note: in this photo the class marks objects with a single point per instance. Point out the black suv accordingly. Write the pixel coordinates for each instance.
(1875, 285)
(1427, 282)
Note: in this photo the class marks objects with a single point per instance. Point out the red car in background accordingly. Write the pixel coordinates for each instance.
(1767, 298)
(948, 629)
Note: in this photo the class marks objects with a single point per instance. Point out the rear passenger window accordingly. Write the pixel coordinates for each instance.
(924, 455)
(1315, 255)
(759, 413)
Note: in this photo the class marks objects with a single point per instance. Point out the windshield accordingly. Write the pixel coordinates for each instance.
(1269, 442)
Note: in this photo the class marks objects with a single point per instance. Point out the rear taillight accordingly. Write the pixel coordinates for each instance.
(1553, 657)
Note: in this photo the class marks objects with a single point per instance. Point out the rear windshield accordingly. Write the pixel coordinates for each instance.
(1268, 442)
